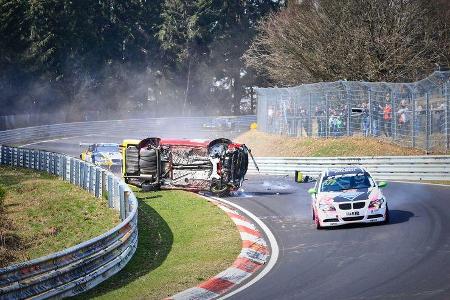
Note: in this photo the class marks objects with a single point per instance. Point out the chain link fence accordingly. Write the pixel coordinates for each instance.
(411, 114)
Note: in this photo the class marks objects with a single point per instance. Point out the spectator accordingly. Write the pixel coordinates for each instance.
(418, 124)
(387, 118)
(403, 118)
(375, 110)
(320, 116)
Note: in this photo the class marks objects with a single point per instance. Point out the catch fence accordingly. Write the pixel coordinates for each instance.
(411, 114)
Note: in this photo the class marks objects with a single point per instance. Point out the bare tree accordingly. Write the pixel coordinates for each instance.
(373, 40)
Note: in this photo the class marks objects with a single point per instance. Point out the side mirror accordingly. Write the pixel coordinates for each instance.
(382, 184)
(312, 191)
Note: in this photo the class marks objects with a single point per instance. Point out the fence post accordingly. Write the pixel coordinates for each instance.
(447, 117)
(327, 116)
(427, 128)
(310, 117)
(349, 116)
(394, 118)
(370, 112)
(413, 121)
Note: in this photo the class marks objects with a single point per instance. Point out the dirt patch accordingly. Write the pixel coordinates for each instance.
(264, 144)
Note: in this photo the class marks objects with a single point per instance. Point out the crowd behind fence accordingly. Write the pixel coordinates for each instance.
(412, 114)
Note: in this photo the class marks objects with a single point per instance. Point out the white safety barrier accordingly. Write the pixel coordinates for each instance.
(381, 167)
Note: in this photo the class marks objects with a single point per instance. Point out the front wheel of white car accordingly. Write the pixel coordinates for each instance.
(316, 220)
(387, 216)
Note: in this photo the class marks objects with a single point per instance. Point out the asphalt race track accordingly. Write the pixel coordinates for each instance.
(406, 259)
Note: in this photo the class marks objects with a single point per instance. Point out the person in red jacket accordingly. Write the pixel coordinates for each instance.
(387, 118)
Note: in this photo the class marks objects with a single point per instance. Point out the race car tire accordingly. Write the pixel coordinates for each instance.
(317, 222)
(387, 217)
(131, 162)
(147, 161)
(220, 189)
(149, 170)
(147, 154)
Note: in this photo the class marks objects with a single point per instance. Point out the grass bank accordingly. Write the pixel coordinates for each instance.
(40, 214)
(183, 240)
(264, 144)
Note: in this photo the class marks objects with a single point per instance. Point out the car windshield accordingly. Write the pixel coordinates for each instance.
(109, 148)
(346, 182)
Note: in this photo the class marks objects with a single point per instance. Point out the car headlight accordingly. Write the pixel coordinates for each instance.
(376, 204)
(326, 207)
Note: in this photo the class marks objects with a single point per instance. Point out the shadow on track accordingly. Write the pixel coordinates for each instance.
(400, 216)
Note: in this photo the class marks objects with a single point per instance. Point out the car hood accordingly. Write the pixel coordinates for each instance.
(371, 193)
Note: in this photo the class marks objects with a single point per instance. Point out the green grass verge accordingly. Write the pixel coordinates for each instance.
(183, 240)
(40, 214)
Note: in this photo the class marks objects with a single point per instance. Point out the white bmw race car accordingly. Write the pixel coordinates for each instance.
(347, 195)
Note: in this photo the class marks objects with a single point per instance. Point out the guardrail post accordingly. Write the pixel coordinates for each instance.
(71, 171)
(103, 189)
(91, 179)
(14, 156)
(29, 166)
(1, 154)
(86, 176)
(81, 174)
(35, 159)
(110, 192)
(62, 166)
(47, 162)
(97, 183)
(42, 166)
(122, 202)
(116, 198)
(127, 203)
(77, 173)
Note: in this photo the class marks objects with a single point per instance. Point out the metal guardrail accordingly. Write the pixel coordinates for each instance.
(381, 167)
(79, 268)
(139, 128)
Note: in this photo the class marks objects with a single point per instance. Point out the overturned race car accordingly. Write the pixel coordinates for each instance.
(218, 166)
